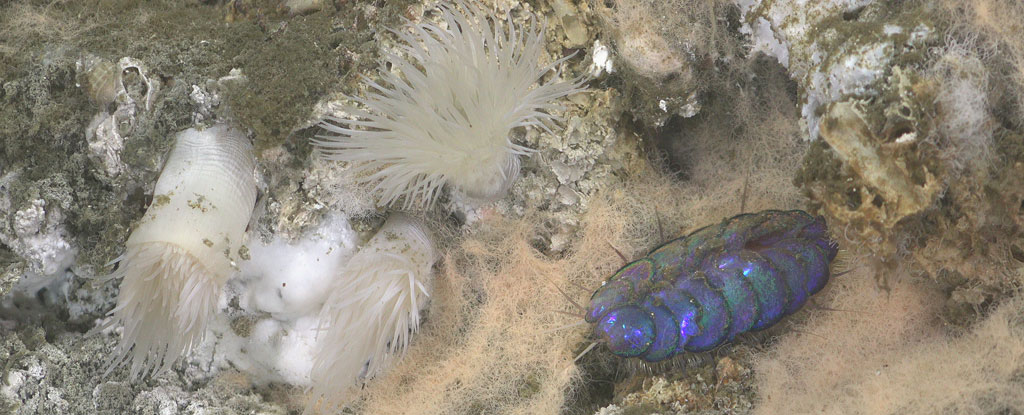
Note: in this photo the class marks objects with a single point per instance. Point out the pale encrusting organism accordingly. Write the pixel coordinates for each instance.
(184, 249)
(443, 113)
(373, 308)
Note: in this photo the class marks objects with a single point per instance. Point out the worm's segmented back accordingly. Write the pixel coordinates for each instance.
(702, 290)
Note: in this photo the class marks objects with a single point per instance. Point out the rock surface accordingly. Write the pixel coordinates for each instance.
(906, 116)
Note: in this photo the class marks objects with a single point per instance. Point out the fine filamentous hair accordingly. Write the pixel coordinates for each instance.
(373, 309)
(178, 258)
(444, 111)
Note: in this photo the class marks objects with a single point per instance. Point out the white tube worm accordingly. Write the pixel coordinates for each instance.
(178, 258)
(373, 309)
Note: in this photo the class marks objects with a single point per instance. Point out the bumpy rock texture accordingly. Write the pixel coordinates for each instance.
(919, 161)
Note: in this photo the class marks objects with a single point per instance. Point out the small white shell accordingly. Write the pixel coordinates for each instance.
(179, 257)
(100, 78)
(104, 81)
(373, 309)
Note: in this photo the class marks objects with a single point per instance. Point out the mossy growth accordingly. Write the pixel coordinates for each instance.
(867, 25)
(290, 65)
(289, 61)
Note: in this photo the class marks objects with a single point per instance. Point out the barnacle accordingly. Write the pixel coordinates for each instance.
(373, 308)
(105, 81)
(179, 257)
(444, 115)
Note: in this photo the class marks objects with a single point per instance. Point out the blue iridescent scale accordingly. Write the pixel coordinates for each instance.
(697, 292)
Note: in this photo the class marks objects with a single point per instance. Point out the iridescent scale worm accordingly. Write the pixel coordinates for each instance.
(700, 291)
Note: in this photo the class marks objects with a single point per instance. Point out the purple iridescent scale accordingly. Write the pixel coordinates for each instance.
(700, 291)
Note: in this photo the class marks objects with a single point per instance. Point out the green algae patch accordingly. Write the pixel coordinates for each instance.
(286, 62)
(288, 70)
(183, 64)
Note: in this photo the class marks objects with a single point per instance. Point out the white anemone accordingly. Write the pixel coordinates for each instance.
(443, 115)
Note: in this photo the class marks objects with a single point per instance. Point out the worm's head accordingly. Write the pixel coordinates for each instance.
(628, 331)
(614, 309)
